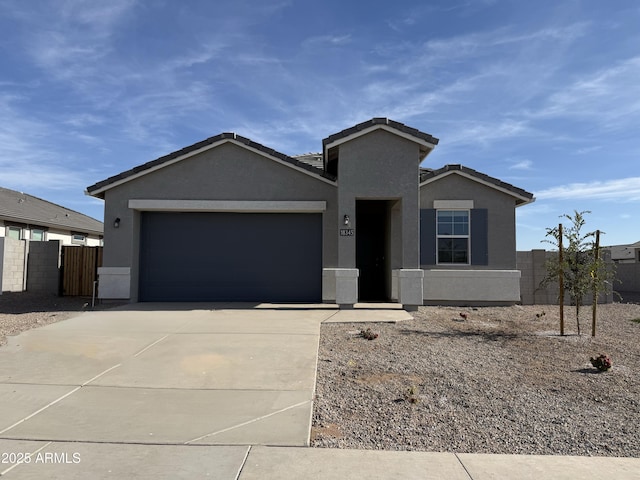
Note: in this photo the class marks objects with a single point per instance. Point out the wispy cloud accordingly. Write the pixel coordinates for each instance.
(608, 97)
(486, 132)
(477, 47)
(70, 37)
(210, 50)
(522, 165)
(623, 190)
(480, 43)
(29, 156)
(327, 40)
(586, 150)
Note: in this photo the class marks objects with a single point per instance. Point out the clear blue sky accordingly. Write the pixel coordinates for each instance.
(544, 94)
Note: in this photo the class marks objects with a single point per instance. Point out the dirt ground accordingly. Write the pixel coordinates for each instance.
(485, 380)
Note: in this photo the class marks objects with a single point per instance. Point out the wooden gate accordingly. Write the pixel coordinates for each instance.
(80, 269)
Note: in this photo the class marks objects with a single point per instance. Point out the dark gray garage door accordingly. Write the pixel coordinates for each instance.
(274, 257)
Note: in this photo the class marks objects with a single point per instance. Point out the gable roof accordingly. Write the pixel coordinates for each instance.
(308, 163)
(98, 189)
(381, 123)
(23, 208)
(428, 175)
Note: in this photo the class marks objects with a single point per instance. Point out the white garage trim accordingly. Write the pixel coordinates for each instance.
(232, 206)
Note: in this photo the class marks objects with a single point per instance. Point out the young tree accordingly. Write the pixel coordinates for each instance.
(582, 270)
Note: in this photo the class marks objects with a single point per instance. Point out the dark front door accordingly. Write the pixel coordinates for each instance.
(372, 220)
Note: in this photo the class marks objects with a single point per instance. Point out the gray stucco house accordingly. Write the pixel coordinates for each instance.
(227, 219)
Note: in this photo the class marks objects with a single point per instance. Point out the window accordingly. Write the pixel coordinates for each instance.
(453, 236)
(78, 238)
(469, 225)
(14, 232)
(37, 234)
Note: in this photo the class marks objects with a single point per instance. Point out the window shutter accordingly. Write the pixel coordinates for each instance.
(428, 236)
(479, 236)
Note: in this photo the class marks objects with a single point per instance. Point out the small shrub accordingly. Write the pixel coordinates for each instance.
(602, 363)
(636, 320)
(368, 334)
(411, 395)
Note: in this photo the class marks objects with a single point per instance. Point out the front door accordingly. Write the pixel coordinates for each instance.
(372, 220)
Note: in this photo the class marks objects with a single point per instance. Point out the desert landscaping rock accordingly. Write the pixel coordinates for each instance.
(500, 381)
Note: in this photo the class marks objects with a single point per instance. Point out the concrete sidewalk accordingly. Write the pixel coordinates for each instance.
(76, 461)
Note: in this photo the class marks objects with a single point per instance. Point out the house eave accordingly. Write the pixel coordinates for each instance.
(427, 146)
(520, 199)
(34, 222)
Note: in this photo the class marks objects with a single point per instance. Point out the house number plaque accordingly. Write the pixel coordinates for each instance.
(347, 232)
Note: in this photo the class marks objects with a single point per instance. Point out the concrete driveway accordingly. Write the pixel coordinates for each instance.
(149, 375)
(159, 375)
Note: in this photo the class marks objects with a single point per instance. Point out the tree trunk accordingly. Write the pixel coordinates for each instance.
(561, 278)
(594, 312)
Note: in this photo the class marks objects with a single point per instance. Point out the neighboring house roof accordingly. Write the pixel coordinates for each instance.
(522, 196)
(623, 252)
(23, 208)
(98, 189)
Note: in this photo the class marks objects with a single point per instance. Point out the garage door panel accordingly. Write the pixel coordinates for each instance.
(230, 257)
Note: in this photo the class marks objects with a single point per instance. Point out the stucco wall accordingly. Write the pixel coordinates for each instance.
(471, 287)
(381, 165)
(226, 172)
(629, 276)
(64, 236)
(501, 216)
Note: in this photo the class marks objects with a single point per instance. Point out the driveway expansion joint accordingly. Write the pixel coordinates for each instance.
(249, 422)
(463, 466)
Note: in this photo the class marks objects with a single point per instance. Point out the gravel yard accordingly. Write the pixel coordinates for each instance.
(20, 311)
(500, 381)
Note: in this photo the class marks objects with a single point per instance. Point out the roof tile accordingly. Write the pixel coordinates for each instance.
(24, 208)
(426, 174)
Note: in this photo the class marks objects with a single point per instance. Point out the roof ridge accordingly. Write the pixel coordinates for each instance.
(381, 121)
